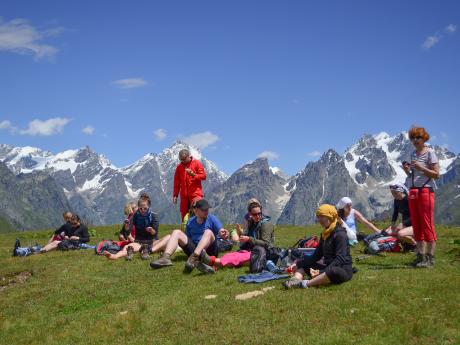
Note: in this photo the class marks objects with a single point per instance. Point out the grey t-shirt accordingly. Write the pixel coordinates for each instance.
(426, 159)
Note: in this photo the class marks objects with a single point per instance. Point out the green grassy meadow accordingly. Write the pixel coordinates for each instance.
(80, 298)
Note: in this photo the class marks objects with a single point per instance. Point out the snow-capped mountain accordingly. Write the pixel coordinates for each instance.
(97, 190)
(363, 173)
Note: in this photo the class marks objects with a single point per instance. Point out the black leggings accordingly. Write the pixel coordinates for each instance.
(336, 274)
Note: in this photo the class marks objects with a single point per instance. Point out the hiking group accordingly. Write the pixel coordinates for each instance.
(202, 236)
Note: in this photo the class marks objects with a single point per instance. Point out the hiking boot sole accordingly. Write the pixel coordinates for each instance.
(206, 269)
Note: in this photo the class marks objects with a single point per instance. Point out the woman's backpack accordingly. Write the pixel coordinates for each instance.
(258, 259)
(107, 245)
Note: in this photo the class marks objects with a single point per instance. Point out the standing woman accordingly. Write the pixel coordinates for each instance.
(423, 169)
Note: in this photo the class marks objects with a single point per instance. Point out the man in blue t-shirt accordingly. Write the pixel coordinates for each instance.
(200, 236)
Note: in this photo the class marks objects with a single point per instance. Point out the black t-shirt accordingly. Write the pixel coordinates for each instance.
(402, 206)
(82, 233)
(66, 229)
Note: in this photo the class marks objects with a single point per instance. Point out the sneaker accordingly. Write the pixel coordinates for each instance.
(292, 283)
(144, 252)
(129, 253)
(418, 259)
(206, 269)
(17, 244)
(191, 263)
(424, 263)
(430, 260)
(164, 261)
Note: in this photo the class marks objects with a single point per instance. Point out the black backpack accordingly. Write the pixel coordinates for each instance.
(68, 245)
(258, 259)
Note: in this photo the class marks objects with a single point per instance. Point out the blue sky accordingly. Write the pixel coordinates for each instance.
(237, 78)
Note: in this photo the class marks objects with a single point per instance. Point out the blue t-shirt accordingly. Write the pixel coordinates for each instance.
(195, 231)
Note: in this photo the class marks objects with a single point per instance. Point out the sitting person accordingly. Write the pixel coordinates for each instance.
(331, 262)
(259, 232)
(145, 225)
(403, 231)
(350, 217)
(64, 231)
(127, 233)
(200, 237)
(77, 234)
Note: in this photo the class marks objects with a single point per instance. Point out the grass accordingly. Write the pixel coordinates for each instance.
(79, 298)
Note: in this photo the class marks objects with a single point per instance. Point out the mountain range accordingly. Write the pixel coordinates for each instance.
(88, 184)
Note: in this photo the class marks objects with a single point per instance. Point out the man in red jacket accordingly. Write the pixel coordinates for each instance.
(187, 181)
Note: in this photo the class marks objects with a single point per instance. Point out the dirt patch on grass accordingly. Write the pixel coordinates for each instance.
(252, 294)
(14, 279)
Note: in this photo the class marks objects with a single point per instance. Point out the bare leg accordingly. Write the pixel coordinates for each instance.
(431, 246)
(51, 240)
(421, 247)
(320, 279)
(160, 244)
(206, 240)
(124, 252)
(50, 246)
(405, 235)
(177, 237)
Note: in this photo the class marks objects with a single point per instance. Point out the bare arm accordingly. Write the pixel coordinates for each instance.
(360, 218)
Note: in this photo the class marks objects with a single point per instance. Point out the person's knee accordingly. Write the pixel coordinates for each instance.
(338, 275)
(209, 234)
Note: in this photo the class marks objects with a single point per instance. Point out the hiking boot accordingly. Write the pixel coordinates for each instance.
(144, 252)
(129, 253)
(430, 259)
(424, 263)
(164, 261)
(205, 258)
(206, 269)
(418, 259)
(17, 244)
(293, 283)
(191, 263)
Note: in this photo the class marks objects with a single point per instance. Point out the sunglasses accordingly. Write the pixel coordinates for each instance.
(418, 137)
(143, 208)
(256, 214)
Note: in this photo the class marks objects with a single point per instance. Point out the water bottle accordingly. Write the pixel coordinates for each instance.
(271, 266)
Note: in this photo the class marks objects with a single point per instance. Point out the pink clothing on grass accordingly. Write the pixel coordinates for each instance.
(235, 259)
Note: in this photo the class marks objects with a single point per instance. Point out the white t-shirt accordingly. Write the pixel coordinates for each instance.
(426, 159)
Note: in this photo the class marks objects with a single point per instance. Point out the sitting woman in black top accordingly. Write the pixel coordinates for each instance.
(78, 233)
(331, 262)
(403, 231)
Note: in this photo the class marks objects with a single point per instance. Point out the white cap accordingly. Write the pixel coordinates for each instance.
(343, 202)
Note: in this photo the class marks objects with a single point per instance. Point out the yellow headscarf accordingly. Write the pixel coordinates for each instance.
(330, 212)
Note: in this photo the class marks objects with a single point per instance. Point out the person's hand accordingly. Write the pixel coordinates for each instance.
(406, 168)
(74, 238)
(314, 273)
(66, 237)
(244, 239)
(174, 199)
(150, 230)
(126, 221)
(238, 229)
(417, 166)
(190, 172)
(223, 233)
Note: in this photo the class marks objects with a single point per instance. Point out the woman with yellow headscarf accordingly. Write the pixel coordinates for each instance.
(331, 262)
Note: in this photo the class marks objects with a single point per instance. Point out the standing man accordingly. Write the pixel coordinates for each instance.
(187, 181)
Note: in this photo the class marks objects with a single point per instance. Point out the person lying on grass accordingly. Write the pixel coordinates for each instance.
(404, 231)
(76, 235)
(64, 231)
(260, 232)
(145, 223)
(200, 237)
(331, 262)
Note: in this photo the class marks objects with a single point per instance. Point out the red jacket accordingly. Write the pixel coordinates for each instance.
(189, 186)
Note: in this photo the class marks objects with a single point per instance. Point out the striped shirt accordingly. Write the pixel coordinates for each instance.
(426, 159)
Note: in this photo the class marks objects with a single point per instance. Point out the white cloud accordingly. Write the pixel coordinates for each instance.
(89, 130)
(160, 134)
(201, 140)
(130, 83)
(47, 127)
(269, 155)
(434, 39)
(451, 28)
(314, 154)
(7, 125)
(19, 36)
(431, 41)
